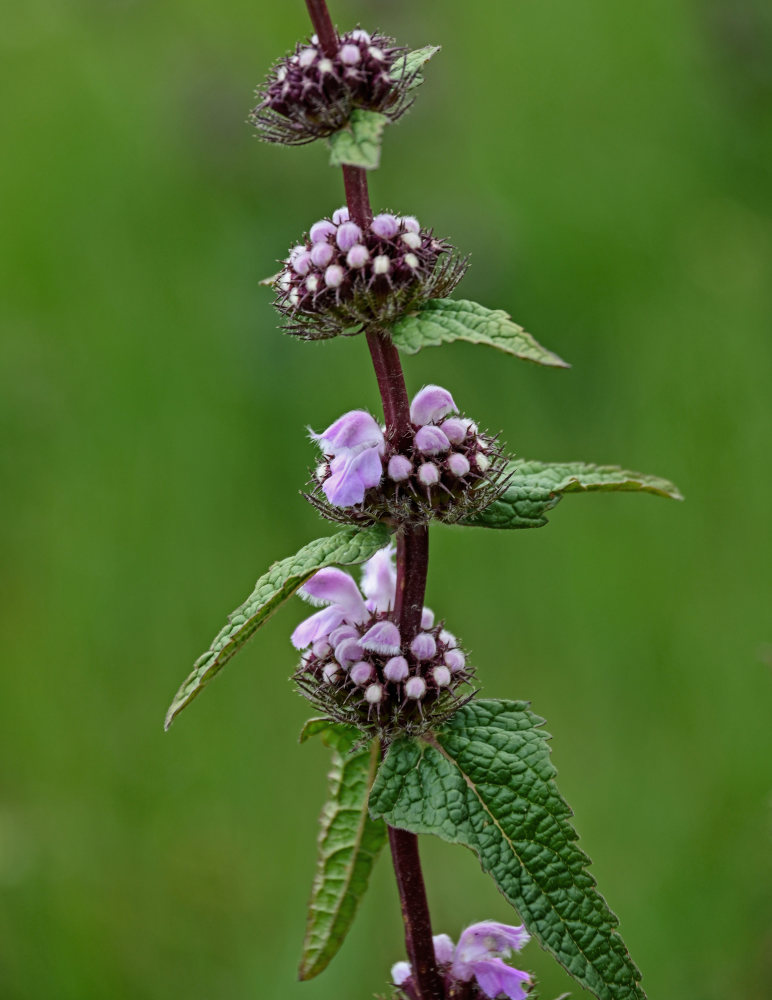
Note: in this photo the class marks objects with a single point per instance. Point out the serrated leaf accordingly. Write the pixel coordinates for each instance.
(536, 487)
(359, 143)
(345, 548)
(348, 845)
(485, 780)
(441, 321)
(407, 67)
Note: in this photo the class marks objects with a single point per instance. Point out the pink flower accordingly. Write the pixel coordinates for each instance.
(478, 956)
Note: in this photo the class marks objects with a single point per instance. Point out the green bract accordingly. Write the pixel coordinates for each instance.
(485, 780)
(348, 845)
(441, 321)
(533, 488)
(359, 145)
(345, 548)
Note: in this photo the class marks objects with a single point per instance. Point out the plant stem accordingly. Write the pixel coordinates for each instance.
(412, 567)
(325, 29)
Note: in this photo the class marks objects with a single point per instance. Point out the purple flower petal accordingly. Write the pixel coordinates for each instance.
(443, 949)
(318, 626)
(333, 586)
(430, 440)
(431, 403)
(379, 580)
(383, 637)
(423, 646)
(348, 651)
(400, 972)
(355, 431)
(488, 937)
(495, 977)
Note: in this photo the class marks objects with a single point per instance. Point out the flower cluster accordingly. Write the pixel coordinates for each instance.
(342, 277)
(477, 961)
(448, 469)
(355, 665)
(309, 95)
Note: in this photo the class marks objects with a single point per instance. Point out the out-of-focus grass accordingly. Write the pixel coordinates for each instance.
(607, 166)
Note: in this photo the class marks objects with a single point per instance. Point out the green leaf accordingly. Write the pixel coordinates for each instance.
(407, 67)
(359, 143)
(536, 487)
(441, 321)
(485, 780)
(345, 548)
(348, 845)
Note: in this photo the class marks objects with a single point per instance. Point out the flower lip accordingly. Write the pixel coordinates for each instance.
(353, 432)
(431, 404)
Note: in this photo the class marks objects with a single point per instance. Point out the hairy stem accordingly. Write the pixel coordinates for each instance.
(412, 566)
(325, 29)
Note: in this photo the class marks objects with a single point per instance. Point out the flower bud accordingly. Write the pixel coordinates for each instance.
(374, 694)
(430, 440)
(381, 264)
(396, 669)
(385, 226)
(350, 55)
(428, 474)
(321, 254)
(410, 224)
(454, 660)
(357, 256)
(458, 465)
(333, 276)
(320, 231)
(441, 676)
(340, 215)
(361, 672)
(399, 468)
(455, 429)
(424, 646)
(427, 618)
(348, 235)
(415, 688)
(411, 240)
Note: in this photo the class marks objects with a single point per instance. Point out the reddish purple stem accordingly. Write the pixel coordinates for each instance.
(412, 567)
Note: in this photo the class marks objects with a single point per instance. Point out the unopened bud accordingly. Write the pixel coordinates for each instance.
(399, 468)
(358, 255)
(348, 651)
(415, 688)
(334, 275)
(322, 254)
(411, 261)
(458, 464)
(386, 226)
(441, 676)
(342, 632)
(360, 35)
(430, 440)
(340, 215)
(321, 648)
(321, 231)
(348, 235)
(375, 52)
(330, 672)
(306, 57)
(374, 694)
(411, 224)
(381, 264)
(445, 637)
(455, 429)
(411, 240)
(312, 282)
(350, 55)
(361, 672)
(396, 669)
(428, 474)
(325, 66)
(454, 659)
(427, 618)
(482, 462)
(423, 647)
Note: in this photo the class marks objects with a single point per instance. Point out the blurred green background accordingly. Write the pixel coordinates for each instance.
(608, 167)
